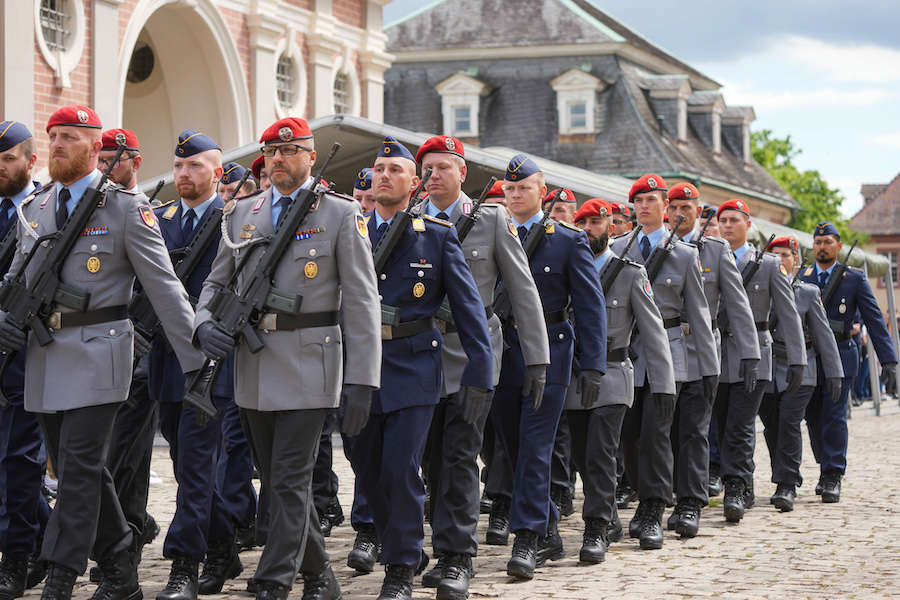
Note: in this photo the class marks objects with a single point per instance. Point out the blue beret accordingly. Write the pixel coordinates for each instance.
(232, 173)
(390, 147)
(363, 180)
(826, 228)
(192, 142)
(708, 212)
(12, 133)
(520, 167)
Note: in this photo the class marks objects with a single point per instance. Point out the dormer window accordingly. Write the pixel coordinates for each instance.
(576, 100)
(460, 102)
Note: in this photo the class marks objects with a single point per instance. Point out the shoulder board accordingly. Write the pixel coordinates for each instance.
(437, 221)
(683, 243)
(624, 235)
(709, 238)
(339, 195)
(631, 263)
(37, 193)
(855, 270)
(568, 226)
(164, 204)
(229, 207)
(129, 192)
(250, 195)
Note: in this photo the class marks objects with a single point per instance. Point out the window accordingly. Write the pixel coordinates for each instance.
(576, 99)
(141, 65)
(285, 85)
(460, 102)
(577, 115)
(342, 94)
(892, 258)
(462, 119)
(55, 24)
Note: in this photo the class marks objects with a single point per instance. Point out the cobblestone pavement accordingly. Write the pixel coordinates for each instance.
(845, 550)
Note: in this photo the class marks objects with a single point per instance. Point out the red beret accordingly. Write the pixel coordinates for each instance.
(442, 144)
(286, 130)
(595, 207)
(683, 191)
(564, 194)
(112, 138)
(76, 116)
(785, 242)
(648, 183)
(257, 166)
(496, 190)
(734, 204)
(620, 208)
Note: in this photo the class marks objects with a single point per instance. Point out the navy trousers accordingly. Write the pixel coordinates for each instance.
(234, 468)
(827, 425)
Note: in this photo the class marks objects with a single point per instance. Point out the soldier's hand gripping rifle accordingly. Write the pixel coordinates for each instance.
(238, 313)
(29, 303)
(750, 269)
(659, 255)
(615, 264)
(836, 275)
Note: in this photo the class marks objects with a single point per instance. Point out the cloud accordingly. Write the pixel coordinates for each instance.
(856, 63)
(803, 98)
(886, 140)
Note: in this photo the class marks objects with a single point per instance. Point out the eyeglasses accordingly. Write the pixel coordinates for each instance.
(107, 161)
(285, 149)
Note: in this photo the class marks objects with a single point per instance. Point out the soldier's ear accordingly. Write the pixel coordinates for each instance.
(463, 170)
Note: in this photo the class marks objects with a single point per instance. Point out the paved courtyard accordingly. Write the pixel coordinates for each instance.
(845, 550)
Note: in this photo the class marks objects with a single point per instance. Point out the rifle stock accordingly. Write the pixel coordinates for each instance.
(615, 264)
(661, 253)
(751, 269)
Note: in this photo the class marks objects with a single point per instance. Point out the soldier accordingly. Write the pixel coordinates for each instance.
(564, 209)
(286, 389)
(693, 410)
(490, 250)
(851, 295)
(596, 426)
(780, 411)
(495, 195)
(562, 267)
(426, 264)
(738, 400)
(621, 219)
(231, 177)
(258, 168)
(677, 291)
(23, 509)
(74, 384)
(362, 190)
(708, 214)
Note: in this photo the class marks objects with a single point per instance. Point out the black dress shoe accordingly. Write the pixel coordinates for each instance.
(498, 523)
(562, 499)
(831, 487)
(397, 585)
(688, 518)
(13, 574)
(549, 547)
(651, 534)
(733, 504)
(595, 542)
(119, 579)
(484, 507)
(270, 590)
(522, 563)
(222, 563)
(455, 583)
(784, 496)
(365, 550)
(60, 581)
(433, 577)
(634, 526)
(182, 584)
(37, 569)
(614, 529)
(625, 495)
(323, 586)
(715, 481)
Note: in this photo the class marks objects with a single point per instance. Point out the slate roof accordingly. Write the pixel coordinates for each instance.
(881, 214)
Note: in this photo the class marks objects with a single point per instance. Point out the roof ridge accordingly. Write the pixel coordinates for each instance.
(414, 13)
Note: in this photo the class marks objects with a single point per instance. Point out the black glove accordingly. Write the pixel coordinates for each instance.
(215, 343)
(589, 383)
(889, 376)
(710, 387)
(535, 381)
(141, 345)
(11, 337)
(665, 405)
(202, 415)
(475, 402)
(357, 402)
(795, 378)
(749, 373)
(834, 388)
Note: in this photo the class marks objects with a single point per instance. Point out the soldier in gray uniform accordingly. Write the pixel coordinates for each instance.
(595, 428)
(781, 412)
(678, 292)
(456, 434)
(693, 412)
(77, 383)
(736, 403)
(286, 389)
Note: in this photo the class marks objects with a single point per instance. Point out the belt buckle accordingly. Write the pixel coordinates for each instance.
(268, 323)
(54, 321)
(685, 329)
(387, 332)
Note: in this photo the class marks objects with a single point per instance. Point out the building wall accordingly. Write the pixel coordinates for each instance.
(882, 244)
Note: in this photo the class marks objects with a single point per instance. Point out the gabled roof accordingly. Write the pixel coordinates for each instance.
(881, 215)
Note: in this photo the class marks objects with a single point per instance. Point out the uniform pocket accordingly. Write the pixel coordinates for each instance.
(89, 255)
(108, 353)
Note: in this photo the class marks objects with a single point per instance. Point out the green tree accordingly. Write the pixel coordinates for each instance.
(819, 201)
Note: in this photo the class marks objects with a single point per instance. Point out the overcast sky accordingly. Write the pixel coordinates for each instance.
(826, 72)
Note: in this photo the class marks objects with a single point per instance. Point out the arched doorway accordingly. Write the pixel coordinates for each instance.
(181, 72)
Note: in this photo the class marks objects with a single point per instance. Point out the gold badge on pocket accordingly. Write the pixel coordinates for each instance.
(93, 264)
(419, 290)
(311, 270)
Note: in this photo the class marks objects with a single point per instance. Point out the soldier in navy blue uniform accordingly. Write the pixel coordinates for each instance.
(426, 265)
(23, 509)
(826, 420)
(563, 269)
(202, 528)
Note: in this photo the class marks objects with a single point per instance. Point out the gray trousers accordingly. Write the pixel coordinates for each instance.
(690, 443)
(735, 412)
(647, 448)
(781, 414)
(286, 443)
(87, 520)
(595, 440)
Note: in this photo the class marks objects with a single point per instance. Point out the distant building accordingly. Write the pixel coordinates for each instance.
(563, 80)
(880, 218)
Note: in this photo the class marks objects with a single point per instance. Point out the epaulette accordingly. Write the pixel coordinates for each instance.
(855, 269)
(709, 238)
(569, 226)
(250, 195)
(229, 207)
(163, 204)
(626, 234)
(437, 221)
(37, 193)
(341, 195)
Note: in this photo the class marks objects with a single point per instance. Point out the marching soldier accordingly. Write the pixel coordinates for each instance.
(77, 383)
(564, 209)
(677, 291)
(780, 411)
(693, 410)
(287, 388)
(621, 219)
(562, 267)
(426, 264)
(850, 295)
(231, 177)
(258, 168)
(23, 508)
(596, 426)
(363, 192)
(490, 250)
(738, 400)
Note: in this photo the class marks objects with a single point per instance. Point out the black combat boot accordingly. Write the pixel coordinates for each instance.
(651, 535)
(397, 585)
(625, 495)
(614, 530)
(549, 547)
(323, 586)
(59, 584)
(689, 517)
(13, 575)
(433, 577)
(454, 585)
(672, 521)
(331, 517)
(222, 563)
(246, 536)
(820, 484)
(783, 498)
(734, 499)
(562, 499)
(595, 542)
(365, 550)
(183, 584)
(484, 506)
(119, 580)
(831, 487)
(498, 523)
(271, 590)
(524, 556)
(715, 481)
(37, 568)
(634, 526)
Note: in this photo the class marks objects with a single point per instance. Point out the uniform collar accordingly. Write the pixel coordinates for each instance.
(200, 209)
(828, 270)
(432, 211)
(77, 189)
(534, 220)
(688, 236)
(601, 259)
(277, 195)
(740, 251)
(29, 188)
(655, 236)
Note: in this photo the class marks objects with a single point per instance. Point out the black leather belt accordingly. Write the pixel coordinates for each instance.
(672, 322)
(617, 355)
(841, 337)
(58, 320)
(284, 322)
(556, 316)
(408, 329)
(762, 325)
(450, 327)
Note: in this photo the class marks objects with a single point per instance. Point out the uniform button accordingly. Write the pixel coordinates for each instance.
(93, 247)
(703, 278)
(383, 276)
(615, 302)
(546, 269)
(380, 297)
(421, 273)
(112, 332)
(312, 252)
(474, 252)
(434, 343)
(327, 339)
(562, 336)
(668, 282)
(756, 286)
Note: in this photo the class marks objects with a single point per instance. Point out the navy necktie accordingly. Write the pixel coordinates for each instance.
(285, 203)
(443, 216)
(5, 218)
(645, 247)
(188, 228)
(523, 231)
(823, 279)
(378, 233)
(62, 210)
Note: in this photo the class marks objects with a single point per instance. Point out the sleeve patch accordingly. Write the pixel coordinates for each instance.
(147, 216)
(512, 229)
(361, 226)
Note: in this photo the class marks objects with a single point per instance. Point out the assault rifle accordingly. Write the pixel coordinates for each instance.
(661, 253)
(698, 240)
(399, 225)
(750, 269)
(156, 190)
(615, 264)
(836, 275)
(238, 313)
